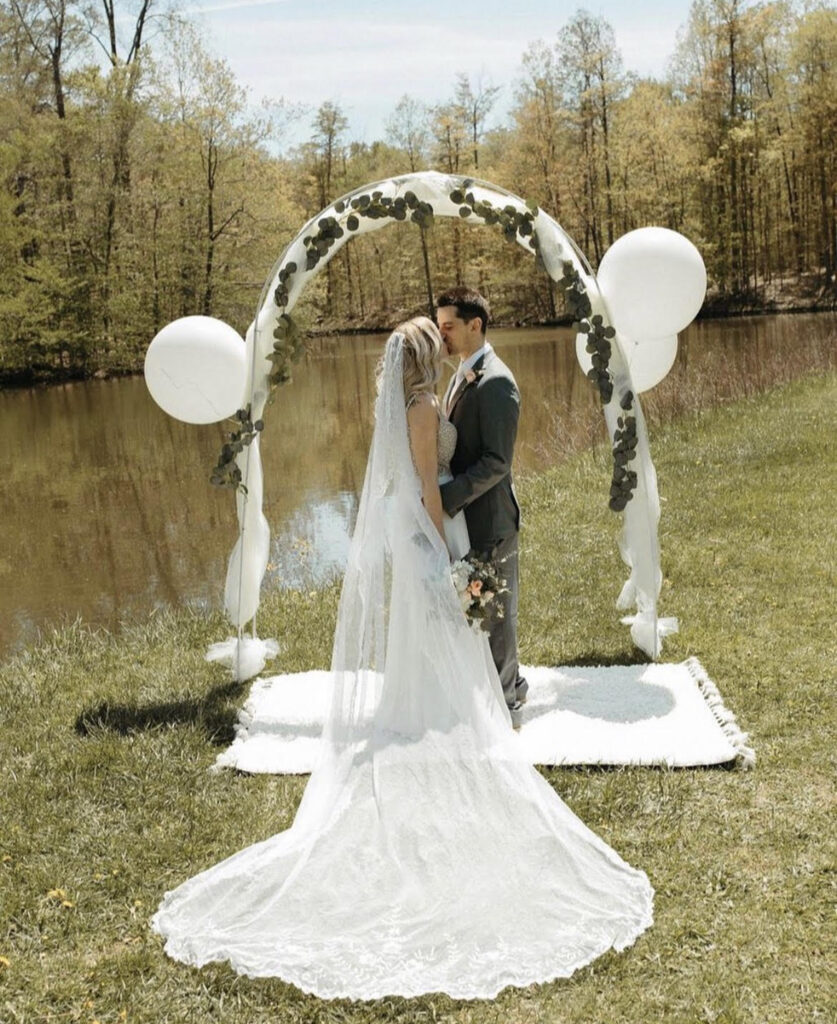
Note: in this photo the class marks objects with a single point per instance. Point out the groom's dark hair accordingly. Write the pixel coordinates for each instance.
(469, 304)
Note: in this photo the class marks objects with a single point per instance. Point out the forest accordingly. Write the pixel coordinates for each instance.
(141, 183)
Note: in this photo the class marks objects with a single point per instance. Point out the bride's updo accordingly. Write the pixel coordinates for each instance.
(423, 352)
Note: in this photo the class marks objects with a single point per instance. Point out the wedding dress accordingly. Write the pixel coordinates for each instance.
(427, 854)
(456, 529)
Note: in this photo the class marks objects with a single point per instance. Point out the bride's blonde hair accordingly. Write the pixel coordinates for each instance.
(422, 356)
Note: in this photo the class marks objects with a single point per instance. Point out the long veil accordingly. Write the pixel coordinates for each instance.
(427, 854)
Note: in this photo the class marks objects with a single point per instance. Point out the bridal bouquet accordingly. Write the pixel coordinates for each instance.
(477, 584)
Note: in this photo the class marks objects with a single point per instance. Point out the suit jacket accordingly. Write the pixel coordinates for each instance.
(485, 413)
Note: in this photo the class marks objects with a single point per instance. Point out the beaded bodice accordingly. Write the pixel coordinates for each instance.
(445, 444)
(445, 440)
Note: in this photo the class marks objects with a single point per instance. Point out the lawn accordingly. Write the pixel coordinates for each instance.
(106, 742)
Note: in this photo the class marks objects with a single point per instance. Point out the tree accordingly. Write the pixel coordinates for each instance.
(326, 154)
(330, 124)
(591, 78)
(538, 120)
(473, 107)
(408, 128)
(457, 129)
(814, 69)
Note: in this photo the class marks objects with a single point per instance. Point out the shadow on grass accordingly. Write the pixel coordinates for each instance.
(592, 660)
(602, 769)
(211, 712)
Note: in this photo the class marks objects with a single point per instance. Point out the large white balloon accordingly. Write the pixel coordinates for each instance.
(196, 369)
(648, 361)
(653, 281)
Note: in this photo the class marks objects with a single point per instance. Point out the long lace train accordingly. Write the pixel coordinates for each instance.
(487, 879)
(427, 853)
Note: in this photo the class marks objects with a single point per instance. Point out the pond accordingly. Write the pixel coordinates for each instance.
(107, 508)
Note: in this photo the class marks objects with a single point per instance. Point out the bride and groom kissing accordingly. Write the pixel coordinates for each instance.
(482, 402)
(427, 853)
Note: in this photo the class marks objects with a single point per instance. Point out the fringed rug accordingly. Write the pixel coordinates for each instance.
(617, 715)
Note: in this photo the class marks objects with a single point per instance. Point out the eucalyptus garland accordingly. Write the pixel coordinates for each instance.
(517, 225)
(510, 219)
(598, 345)
(288, 346)
(624, 479)
(227, 472)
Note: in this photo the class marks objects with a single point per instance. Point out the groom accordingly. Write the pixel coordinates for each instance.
(483, 403)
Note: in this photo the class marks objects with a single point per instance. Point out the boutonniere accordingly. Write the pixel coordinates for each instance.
(472, 375)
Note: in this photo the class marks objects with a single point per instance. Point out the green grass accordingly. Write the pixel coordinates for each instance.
(106, 744)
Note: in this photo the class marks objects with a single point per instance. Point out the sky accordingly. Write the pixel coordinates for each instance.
(366, 54)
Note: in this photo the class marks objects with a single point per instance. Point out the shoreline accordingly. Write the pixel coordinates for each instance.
(590, 462)
(695, 390)
(21, 380)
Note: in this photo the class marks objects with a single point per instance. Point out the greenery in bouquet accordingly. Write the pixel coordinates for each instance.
(477, 584)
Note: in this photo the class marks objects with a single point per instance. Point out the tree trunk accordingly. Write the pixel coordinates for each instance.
(428, 280)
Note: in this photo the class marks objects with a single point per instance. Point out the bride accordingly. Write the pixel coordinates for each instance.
(427, 854)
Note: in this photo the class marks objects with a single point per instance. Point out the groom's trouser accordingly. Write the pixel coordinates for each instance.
(502, 635)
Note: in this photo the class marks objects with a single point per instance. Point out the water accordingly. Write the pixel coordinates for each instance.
(108, 512)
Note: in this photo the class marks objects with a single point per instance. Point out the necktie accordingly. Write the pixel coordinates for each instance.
(457, 382)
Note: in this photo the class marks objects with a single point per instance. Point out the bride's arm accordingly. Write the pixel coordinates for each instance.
(423, 426)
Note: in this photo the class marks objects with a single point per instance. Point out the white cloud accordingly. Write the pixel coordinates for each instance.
(309, 62)
(231, 5)
(327, 51)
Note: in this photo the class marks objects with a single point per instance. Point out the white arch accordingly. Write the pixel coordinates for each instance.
(368, 209)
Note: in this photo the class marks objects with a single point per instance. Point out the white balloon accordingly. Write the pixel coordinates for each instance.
(654, 282)
(648, 360)
(196, 369)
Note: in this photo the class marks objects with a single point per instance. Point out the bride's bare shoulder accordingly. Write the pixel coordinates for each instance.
(422, 417)
(421, 405)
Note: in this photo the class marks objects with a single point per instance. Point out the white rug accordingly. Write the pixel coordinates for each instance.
(624, 714)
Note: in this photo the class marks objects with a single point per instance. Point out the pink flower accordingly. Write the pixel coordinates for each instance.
(470, 376)
(474, 587)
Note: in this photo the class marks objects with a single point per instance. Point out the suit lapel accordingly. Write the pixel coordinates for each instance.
(476, 369)
(448, 391)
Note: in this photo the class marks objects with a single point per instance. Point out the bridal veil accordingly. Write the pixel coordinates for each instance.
(427, 855)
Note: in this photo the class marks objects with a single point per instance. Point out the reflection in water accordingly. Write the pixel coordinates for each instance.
(108, 512)
(312, 547)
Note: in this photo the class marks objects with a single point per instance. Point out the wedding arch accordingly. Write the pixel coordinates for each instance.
(273, 342)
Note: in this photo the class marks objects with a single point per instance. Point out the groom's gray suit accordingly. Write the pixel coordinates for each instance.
(485, 412)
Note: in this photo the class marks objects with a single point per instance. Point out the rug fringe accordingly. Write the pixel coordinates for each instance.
(241, 731)
(745, 755)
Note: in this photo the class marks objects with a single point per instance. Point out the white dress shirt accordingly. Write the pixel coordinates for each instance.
(464, 366)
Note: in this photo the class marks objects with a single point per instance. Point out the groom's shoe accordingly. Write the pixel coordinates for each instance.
(516, 712)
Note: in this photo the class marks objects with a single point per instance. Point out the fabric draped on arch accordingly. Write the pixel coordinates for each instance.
(638, 541)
